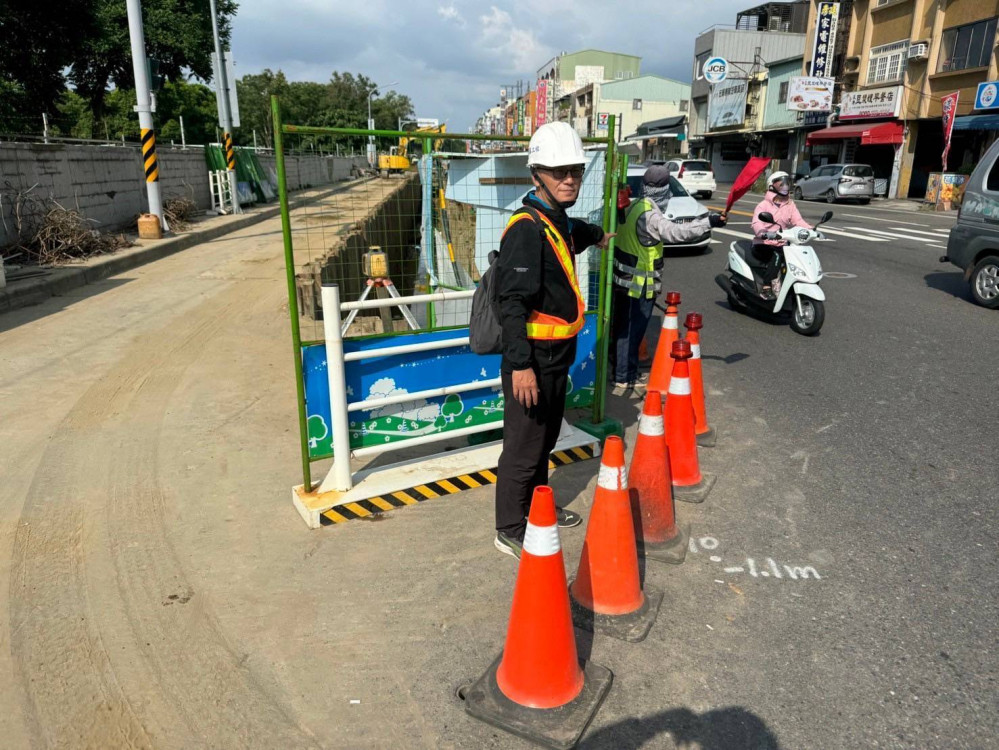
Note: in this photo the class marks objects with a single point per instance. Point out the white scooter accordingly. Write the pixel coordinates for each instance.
(796, 289)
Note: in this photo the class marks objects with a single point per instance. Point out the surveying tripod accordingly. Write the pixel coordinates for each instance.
(386, 312)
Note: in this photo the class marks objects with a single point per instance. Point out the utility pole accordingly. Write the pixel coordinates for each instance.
(144, 108)
(222, 89)
(183, 139)
(45, 127)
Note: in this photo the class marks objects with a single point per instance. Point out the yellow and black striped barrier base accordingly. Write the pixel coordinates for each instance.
(451, 486)
(149, 155)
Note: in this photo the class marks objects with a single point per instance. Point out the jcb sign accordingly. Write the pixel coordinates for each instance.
(715, 69)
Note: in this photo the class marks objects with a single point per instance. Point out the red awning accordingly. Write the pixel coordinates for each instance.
(869, 135)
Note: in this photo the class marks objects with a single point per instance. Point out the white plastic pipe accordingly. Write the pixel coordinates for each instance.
(368, 304)
(339, 478)
(375, 403)
(399, 444)
(388, 351)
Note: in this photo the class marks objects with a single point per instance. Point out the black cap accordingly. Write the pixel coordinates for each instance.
(656, 176)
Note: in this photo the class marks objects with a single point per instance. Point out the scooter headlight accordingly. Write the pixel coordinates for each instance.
(803, 235)
(798, 272)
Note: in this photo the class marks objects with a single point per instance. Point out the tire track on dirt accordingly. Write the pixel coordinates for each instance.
(112, 645)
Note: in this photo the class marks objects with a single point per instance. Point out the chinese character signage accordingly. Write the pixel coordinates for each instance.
(948, 109)
(520, 117)
(806, 94)
(541, 105)
(727, 104)
(824, 47)
(882, 102)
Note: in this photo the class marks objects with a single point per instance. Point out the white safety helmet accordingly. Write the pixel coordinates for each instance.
(555, 144)
(778, 176)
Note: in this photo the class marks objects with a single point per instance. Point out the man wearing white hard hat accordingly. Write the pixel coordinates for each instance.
(541, 311)
(779, 203)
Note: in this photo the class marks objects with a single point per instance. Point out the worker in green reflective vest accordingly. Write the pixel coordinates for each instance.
(638, 268)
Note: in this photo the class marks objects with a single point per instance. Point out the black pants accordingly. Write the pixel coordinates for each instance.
(529, 435)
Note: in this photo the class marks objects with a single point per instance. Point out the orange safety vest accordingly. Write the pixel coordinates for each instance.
(551, 327)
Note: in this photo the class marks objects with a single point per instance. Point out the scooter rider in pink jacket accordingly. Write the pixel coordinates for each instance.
(780, 205)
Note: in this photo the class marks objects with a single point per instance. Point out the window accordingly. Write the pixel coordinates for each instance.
(636, 104)
(992, 180)
(782, 93)
(968, 46)
(697, 166)
(859, 170)
(684, 105)
(879, 3)
(886, 62)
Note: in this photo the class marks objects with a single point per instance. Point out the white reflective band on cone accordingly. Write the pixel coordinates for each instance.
(541, 541)
(679, 386)
(695, 351)
(670, 322)
(650, 425)
(612, 477)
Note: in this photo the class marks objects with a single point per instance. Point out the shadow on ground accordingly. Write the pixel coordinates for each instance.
(721, 729)
(952, 283)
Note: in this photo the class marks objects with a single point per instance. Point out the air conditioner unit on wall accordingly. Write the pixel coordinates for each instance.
(919, 51)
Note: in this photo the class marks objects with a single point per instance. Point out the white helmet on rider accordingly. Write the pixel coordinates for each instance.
(555, 144)
(782, 177)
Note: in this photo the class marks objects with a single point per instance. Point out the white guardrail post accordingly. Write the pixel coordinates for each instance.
(340, 473)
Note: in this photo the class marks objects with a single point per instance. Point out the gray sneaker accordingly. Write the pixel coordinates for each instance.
(567, 519)
(622, 389)
(507, 545)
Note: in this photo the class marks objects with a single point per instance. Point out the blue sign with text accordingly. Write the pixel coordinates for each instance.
(987, 96)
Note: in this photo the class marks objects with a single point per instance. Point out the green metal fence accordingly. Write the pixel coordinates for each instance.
(432, 223)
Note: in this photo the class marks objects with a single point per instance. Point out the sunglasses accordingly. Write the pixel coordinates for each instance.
(560, 173)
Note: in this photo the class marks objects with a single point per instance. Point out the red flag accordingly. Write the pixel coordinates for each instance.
(749, 174)
(948, 110)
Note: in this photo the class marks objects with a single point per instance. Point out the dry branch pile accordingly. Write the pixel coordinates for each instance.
(49, 234)
(179, 211)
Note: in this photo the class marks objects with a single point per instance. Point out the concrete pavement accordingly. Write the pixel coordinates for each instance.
(162, 592)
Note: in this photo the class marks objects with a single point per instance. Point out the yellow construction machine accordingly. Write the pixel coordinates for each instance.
(398, 157)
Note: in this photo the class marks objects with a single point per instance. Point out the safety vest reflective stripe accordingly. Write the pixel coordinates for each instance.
(541, 541)
(551, 327)
(645, 274)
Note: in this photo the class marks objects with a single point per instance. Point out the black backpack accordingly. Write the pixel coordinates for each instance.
(485, 335)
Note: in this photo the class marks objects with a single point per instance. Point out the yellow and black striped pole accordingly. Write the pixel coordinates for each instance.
(230, 153)
(149, 162)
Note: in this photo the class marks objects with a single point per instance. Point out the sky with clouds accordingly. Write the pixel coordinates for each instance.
(452, 56)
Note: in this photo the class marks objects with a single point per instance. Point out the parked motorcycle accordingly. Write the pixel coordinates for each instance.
(795, 292)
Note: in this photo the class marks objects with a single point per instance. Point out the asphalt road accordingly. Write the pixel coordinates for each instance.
(158, 590)
(869, 452)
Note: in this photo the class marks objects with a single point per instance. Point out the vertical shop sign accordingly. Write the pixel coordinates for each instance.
(824, 47)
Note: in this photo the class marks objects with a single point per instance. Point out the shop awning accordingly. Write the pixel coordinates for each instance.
(869, 135)
(977, 122)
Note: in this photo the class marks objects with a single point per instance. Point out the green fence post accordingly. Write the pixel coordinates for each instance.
(600, 426)
(289, 266)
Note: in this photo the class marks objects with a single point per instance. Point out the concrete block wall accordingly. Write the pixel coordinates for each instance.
(107, 184)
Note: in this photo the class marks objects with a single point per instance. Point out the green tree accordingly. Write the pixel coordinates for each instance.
(178, 34)
(40, 40)
(194, 102)
(254, 92)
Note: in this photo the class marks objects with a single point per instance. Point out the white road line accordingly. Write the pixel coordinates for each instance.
(879, 232)
(935, 235)
(826, 230)
(896, 221)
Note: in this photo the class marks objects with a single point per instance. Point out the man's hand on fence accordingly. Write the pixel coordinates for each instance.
(606, 240)
(525, 387)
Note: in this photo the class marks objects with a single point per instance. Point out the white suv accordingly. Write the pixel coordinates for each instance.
(695, 175)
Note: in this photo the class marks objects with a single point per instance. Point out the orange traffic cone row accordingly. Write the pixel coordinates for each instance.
(537, 688)
(662, 365)
(607, 594)
(689, 484)
(643, 352)
(657, 532)
(706, 437)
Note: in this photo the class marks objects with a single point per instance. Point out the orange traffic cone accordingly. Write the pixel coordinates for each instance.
(662, 365)
(537, 688)
(607, 594)
(689, 484)
(656, 529)
(706, 437)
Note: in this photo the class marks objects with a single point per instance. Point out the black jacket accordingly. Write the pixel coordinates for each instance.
(530, 278)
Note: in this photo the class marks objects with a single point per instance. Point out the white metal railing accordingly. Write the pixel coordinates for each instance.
(340, 476)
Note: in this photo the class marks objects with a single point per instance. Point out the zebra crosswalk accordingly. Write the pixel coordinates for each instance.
(927, 236)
